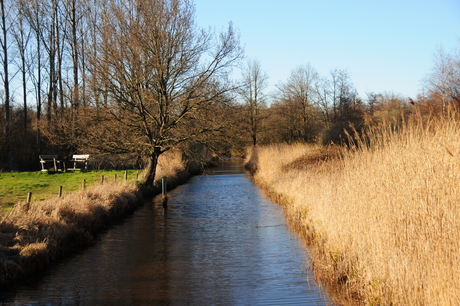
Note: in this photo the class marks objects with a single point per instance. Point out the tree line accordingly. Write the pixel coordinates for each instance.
(136, 78)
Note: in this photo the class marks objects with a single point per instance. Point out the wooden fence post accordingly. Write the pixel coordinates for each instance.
(60, 191)
(84, 184)
(102, 179)
(126, 176)
(29, 197)
(163, 186)
(163, 192)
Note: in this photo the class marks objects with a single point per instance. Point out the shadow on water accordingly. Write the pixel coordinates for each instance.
(219, 242)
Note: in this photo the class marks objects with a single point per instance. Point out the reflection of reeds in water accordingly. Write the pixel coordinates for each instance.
(384, 219)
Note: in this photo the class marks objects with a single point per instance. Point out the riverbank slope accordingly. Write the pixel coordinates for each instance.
(34, 235)
(382, 220)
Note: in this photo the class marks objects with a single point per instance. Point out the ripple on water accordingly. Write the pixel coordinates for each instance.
(220, 242)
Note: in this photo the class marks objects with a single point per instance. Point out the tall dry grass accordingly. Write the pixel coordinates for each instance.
(33, 235)
(170, 165)
(384, 219)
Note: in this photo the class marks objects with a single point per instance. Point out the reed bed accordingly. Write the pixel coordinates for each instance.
(383, 219)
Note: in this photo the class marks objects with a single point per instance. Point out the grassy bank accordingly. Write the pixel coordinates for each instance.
(383, 221)
(44, 185)
(36, 234)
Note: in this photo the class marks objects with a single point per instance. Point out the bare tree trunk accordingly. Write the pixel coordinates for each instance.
(38, 90)
(6, 81)
(22, 40)
(150, 171)
(52, 95)
(59, 51)
(24, 88)
(73, 24)
(255, 81)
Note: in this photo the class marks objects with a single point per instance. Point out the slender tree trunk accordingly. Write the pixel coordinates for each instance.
(73, 21)
(6, 83)
(22, 45)
(52, 95)
(5, 64)
(38, 90)
(24, 88)
(59, 50)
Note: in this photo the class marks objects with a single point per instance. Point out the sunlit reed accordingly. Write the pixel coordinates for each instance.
(383, 218)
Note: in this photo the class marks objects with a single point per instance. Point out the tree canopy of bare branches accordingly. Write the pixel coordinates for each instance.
(252, 93)
(160, 74)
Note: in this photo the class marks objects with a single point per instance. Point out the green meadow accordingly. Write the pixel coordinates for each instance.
(15, 186)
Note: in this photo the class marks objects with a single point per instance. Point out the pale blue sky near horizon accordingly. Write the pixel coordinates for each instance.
(386, 46)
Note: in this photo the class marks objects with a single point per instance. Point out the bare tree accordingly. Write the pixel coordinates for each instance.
(444, 80)
(255, 82)
(347, 108)
(22, 35)
(5, 152)
(300, 95)
(161, 73)
(5, 63)
(32, 12)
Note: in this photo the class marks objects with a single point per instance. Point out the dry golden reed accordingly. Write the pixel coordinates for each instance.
(170, 164)
(384, 219)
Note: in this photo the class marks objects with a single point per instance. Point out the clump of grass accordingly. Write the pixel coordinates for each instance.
(171, 165)
(383, 219)
(34, 234)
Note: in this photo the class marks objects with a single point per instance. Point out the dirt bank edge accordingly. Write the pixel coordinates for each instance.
(34, 236)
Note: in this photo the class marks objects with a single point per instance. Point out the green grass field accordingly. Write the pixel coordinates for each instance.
(15, 186)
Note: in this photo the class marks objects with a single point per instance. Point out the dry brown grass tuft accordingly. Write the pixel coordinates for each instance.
(384, 219)
(170, 164)
(31, 237)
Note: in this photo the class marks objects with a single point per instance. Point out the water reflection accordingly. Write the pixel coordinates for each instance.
(219, 242)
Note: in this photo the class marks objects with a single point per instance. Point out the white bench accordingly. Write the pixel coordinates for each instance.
(49, 159)
(79, 159)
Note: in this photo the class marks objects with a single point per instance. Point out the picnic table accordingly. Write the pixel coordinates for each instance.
(79, 159)
(53, 159)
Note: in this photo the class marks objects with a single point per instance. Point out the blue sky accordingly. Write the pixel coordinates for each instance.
(386, 46)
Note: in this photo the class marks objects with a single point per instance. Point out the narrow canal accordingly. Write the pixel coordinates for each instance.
(219, 242)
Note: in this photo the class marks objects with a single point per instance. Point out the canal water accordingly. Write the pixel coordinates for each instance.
(219, 242)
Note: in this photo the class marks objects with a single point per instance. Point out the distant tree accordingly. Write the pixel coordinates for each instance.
(34, 14)
(300, 98)
(160, 73)
(255, 81)
(443, 83)
(388, 108)
(22, 34)
(4, 43)
(347, 109)
(279, 124)
(323, 90)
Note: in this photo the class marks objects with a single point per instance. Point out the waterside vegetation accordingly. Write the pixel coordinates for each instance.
(382, 219)
(14, 186)
(32, 235)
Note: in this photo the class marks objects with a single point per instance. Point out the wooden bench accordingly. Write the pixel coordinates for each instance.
(49, 159)
(79, 159)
